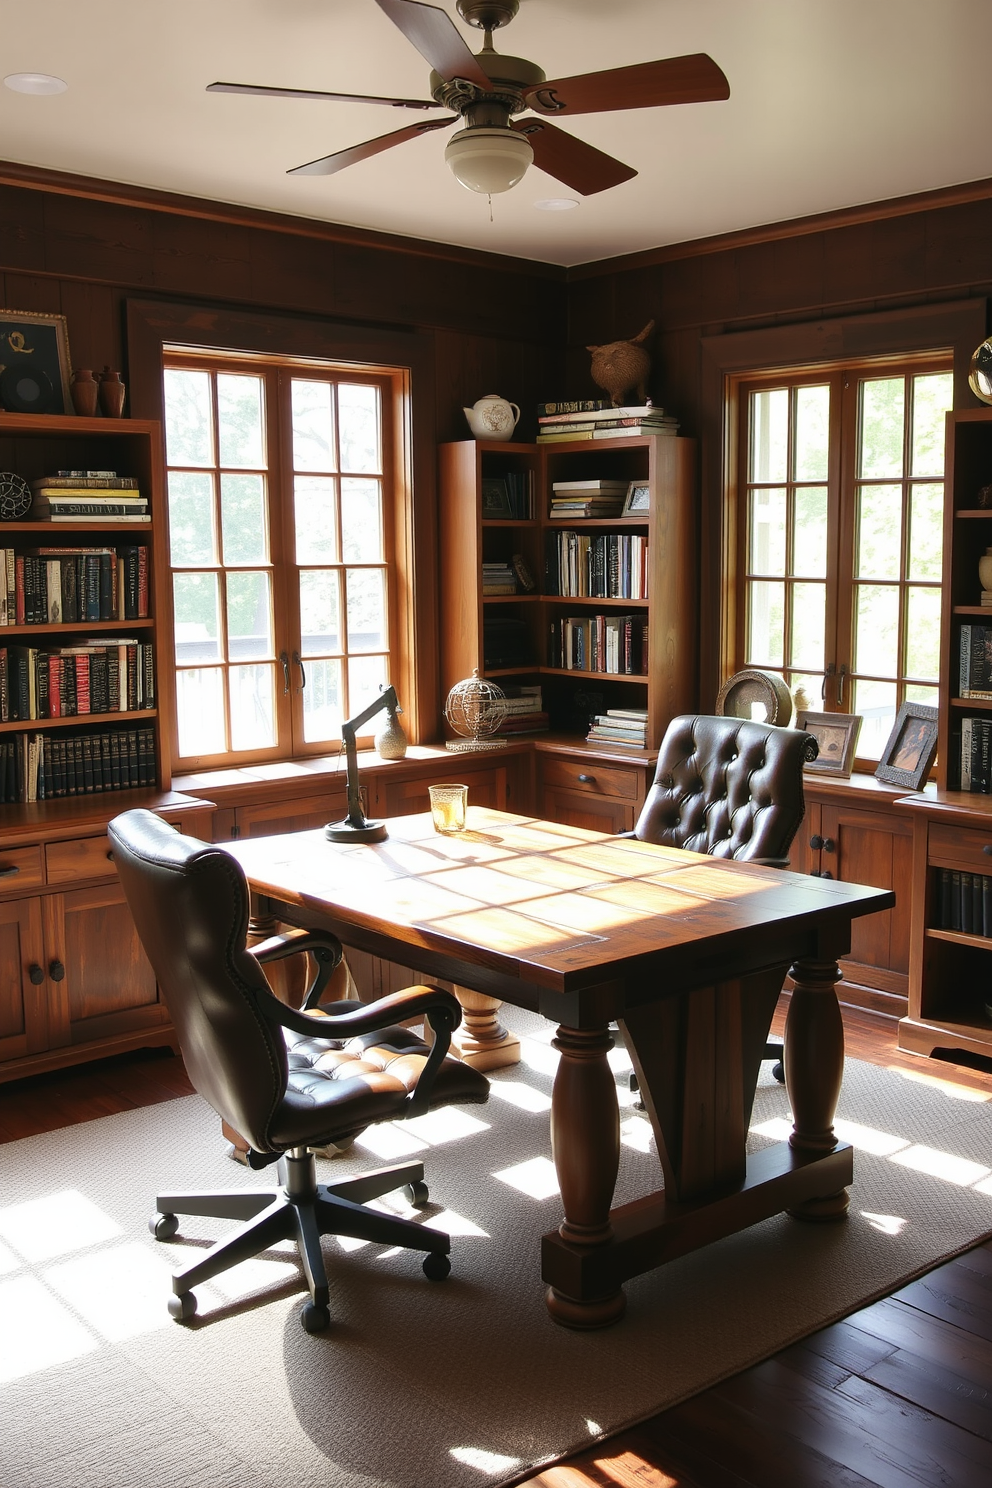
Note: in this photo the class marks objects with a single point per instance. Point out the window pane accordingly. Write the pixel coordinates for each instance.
(932, 397)
(358, 420)
(810, 537)
(320, 612)
(812, 685)
(242, 518)
(249, 618)
(926, 536)
(766, 622)
(366, 609)
(366, 674)
(922, 633)
(252, 710)
(770, 435)
(876, 622)
(876, 702)
(768, 532)
(361, 521)
(313, 426)
(200, 706)
(188, 417)
(879, 532)
(809, 607)
(197, 617)
(882, 405)
(239, 413)
(322, 715)
(316, 522)
(917, 694)
(191, 519)
(812, 433)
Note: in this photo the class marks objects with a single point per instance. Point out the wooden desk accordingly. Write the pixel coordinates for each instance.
(688, 953)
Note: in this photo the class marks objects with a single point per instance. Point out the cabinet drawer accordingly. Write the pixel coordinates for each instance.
(589, 775)
(20, 868)
(85, 857)
(961, 847)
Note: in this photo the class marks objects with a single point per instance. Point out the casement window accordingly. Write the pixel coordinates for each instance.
(280, 482)
(839, 526)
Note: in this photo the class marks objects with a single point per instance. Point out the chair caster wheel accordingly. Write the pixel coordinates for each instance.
(436, 1265)
(164, 1226)
(183, 1307)
(314, 1318)
(417, 1193)
(778, 1072)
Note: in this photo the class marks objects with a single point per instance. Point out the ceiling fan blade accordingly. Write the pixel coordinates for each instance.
(571, 161)
(437, 39)
(263, 92)
(692, 79)
(329, 164)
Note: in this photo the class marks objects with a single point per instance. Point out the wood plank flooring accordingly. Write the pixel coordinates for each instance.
(897, 1396)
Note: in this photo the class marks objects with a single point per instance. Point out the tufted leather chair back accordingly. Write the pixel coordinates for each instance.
(189, 902)
(728, 787)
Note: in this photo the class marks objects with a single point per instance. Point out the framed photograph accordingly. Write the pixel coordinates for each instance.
(837, 736)
(638, 498)
(34, 363)
(910, 748)
(495, 497)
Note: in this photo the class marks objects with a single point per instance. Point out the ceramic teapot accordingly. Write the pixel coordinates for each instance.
(492, 417)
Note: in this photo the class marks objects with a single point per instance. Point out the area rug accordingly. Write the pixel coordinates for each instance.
(416, 1384)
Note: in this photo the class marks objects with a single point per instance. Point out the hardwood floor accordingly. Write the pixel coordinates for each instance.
(898, 1394)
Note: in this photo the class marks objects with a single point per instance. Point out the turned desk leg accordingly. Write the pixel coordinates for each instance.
(481, 1040)
(814, 1070)
(585, 1144)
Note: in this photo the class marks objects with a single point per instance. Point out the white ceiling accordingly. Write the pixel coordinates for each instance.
(833, 103)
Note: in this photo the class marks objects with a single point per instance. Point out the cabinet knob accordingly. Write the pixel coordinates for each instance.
(587, 779)
(56, 970)
(36, 975)
(829, 845)
(815, 873)
(9, 872)
(816, 842)
(826, 873)
(110, 855)
(986, 849)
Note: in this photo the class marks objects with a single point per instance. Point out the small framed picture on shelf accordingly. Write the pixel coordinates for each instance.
(34, 363)
(910, 748)
(638, 498)
(836, 735)
(495, 497)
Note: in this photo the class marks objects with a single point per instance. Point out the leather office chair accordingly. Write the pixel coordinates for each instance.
(731, 788)
(286, 1080)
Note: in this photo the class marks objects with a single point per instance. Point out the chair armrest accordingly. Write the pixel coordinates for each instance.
(324, 947)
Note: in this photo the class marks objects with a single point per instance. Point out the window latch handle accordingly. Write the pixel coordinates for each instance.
(828, 673)
(285, 673)
(841, 678)
(303, 675)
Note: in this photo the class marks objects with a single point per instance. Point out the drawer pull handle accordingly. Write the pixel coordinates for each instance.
(826, 873)
(815, 873)
(9, 872)
(587, 779)
(816, 842)
(56, 971)
(36, 975)
(829, 845)
(988, 849)
(110, 855)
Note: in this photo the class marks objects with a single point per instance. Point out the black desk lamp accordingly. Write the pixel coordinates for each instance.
(356, 826)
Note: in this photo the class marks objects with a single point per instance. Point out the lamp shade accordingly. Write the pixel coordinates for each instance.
(488, 160)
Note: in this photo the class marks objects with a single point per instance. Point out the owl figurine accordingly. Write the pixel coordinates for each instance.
(620, 367)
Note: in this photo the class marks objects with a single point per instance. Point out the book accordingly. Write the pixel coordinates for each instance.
(85, 480)
(593, 485)
(975, 661)
(49, 509)
(102, 517)
(571, 405)
(100, 494)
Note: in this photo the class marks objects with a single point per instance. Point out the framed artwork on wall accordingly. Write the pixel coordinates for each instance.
(34, 363)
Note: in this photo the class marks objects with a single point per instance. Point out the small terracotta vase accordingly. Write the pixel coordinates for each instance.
(85, 392)
(111, 393)
(985, 570)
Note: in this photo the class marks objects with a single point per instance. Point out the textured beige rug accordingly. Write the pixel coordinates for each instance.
(416, 1384)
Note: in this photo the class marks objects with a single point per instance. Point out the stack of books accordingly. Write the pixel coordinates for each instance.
(603, 422)
(627, 726)
(86, 496)
(964, 902)
(61, 586)
(524, 710)
(975, 661)
(587, 498)
(498, 578)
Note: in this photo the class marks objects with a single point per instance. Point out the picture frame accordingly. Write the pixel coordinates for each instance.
(637, 499)
(495, 498)
(36, 347)
(910, 748)
(837, 737)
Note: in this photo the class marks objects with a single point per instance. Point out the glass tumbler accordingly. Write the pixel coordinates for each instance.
(448, 807)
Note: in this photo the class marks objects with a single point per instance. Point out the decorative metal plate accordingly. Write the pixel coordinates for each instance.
(737, 694)
(15, 496)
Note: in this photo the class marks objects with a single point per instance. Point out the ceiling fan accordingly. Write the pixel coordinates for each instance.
(494, 148)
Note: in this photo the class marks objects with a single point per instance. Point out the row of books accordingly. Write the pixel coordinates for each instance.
(61, 586)
(525, 712)
(42, 766)
(976, 755)
(627, 726)
(498, 578)
(613, 565)
(615, 644)
(88, 495)
(93, 677)
(604, 422)
(964, 902)
(587, 498)
(975, 661)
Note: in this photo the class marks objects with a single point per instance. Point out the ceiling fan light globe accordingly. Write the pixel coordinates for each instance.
(488, 160)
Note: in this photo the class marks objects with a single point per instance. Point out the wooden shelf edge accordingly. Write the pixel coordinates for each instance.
(73, 720)
(960, 937)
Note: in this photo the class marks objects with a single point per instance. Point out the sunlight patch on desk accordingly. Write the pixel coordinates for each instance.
(518, 1093)
(536, 1178)
(38, 1331)
(55, 1225)
(887, 1224)
(487, 1462)
(447, 1124)
(118, 1291)
(945, 1165)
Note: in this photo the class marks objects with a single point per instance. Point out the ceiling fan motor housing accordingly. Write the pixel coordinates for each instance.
(510, 77)
(488, 15)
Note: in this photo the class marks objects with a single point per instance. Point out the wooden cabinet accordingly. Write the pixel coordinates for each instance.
(584, 789)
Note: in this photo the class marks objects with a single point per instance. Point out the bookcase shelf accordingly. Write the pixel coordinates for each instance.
(80, 721)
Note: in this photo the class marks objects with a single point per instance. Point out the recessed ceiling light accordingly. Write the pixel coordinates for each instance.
(556, 204)
(34, 82)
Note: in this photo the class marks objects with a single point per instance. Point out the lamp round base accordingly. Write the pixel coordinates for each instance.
(373, 831)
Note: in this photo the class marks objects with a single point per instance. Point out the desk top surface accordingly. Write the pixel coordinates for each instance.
(554, 905)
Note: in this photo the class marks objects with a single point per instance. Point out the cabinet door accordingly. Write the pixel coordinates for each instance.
(876, 848)
(23, 1004)
(299, 814)
(597, 813)
(107, 986)
(488, 787)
